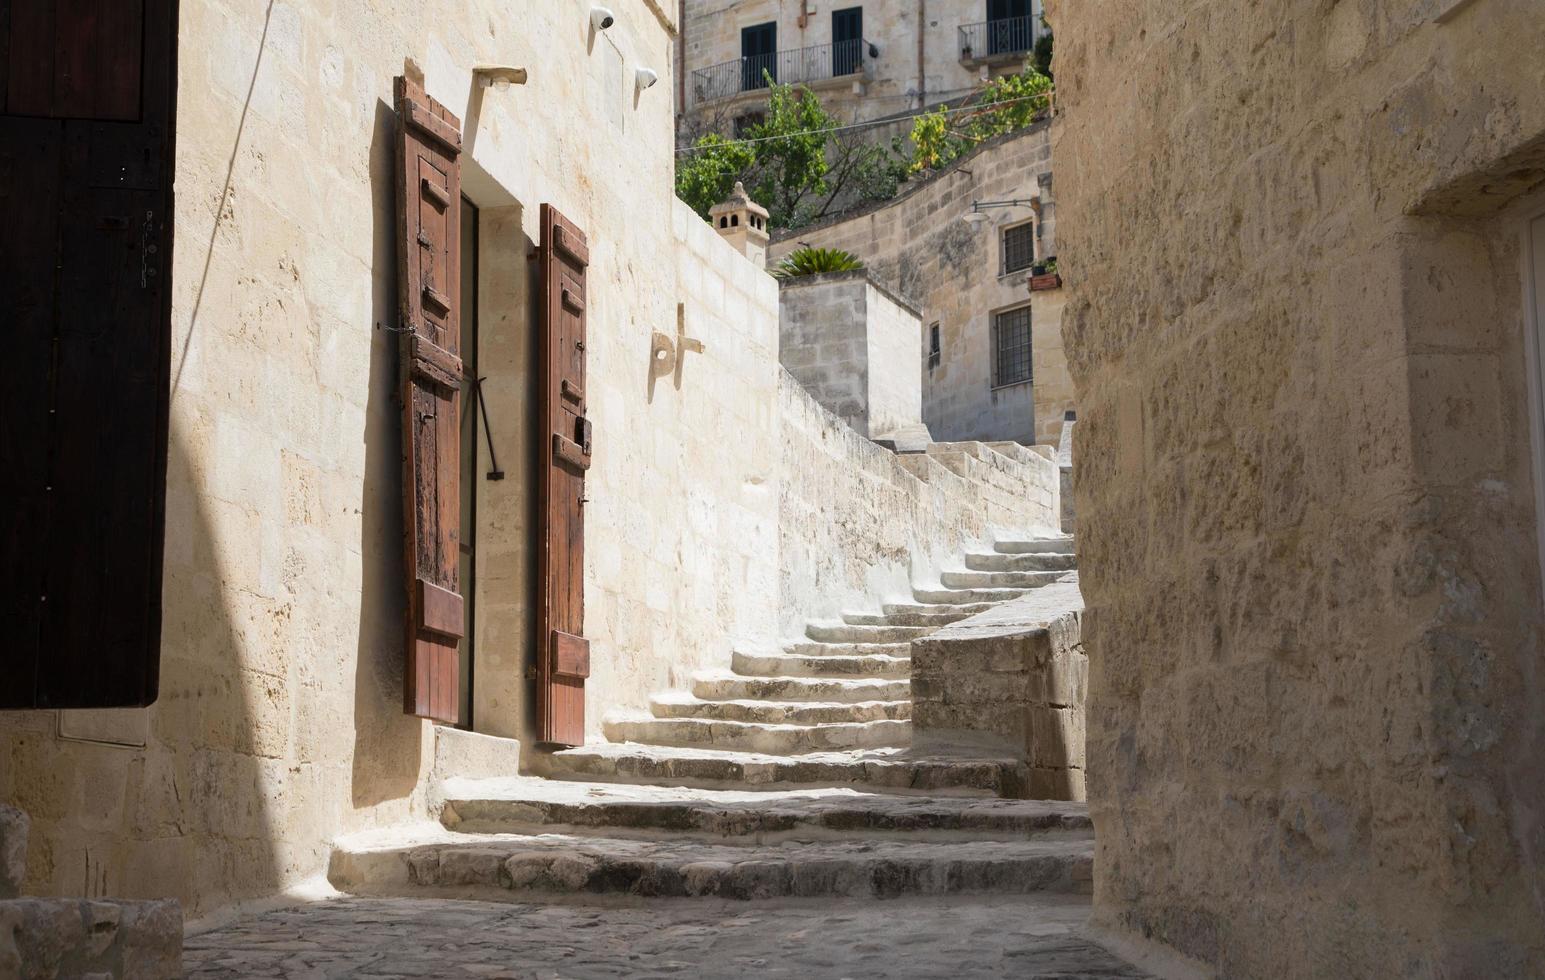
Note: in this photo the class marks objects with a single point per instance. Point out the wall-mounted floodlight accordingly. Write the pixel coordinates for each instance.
(601, 18)
(645, 77)
(499, 76)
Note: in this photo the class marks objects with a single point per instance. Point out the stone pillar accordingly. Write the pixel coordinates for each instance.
(743, 223)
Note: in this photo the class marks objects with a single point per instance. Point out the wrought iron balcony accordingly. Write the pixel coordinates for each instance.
(993, 38)
(797, 65)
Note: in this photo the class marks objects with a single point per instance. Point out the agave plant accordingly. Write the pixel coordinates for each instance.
(810, 261)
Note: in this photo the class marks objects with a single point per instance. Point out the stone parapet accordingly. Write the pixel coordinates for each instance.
(1012, 679)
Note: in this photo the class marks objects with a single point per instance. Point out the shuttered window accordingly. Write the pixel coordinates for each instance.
(1018, 247)
(1011, 347)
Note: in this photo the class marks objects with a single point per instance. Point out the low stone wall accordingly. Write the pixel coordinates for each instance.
(857, 521)
(1012, 680)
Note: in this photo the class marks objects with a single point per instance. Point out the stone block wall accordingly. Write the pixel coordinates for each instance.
(1010, 680)
(1308, 535)
(710, 35)
(857, 522)
(854, 348)
(280, 723)
(918, 246)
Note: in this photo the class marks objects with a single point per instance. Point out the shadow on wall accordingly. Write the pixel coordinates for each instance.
(386, 741)
(187, 815)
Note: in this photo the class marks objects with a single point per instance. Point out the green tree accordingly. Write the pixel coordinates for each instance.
(794, 162)
(708, 174)
(789, 147)
(1003, 105)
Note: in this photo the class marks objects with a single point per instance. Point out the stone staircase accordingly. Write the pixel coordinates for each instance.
(789, 774)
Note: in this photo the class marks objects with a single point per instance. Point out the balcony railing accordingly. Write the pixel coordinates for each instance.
(799, 65)
(1008, 36)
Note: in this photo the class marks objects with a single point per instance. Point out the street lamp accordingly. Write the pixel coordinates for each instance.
(977, 215)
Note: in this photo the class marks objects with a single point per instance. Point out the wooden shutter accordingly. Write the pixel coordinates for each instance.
(87, 113)
(430, 383)
(563, 661)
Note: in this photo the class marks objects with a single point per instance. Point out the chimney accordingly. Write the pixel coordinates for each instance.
(743, 223)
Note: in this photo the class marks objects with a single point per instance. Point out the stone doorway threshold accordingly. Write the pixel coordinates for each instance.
(954, 936)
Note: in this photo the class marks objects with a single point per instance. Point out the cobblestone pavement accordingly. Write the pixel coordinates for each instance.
(962, 936)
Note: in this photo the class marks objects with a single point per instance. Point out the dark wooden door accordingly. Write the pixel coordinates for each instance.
(847, 40)
(758, 55)
(563, 660)
(430, 386)
(87, 114)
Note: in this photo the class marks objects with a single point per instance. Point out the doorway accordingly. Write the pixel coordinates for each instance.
(1009, 26)
(758, 55)
(847, 41)
(469, 455)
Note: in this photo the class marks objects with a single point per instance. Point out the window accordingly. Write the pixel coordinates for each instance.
(933, 346)
(758, 55)
(1011, 347)
(748, 121)
(1018, 247)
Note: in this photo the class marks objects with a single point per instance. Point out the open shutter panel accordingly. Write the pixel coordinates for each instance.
(563, 661)
(430, 383)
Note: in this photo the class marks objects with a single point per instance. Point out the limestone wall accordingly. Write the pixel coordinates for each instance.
(1307, 527)
(853, 347)
(895, 363)
(711, 36)
(918, 245)
(1010, 680)
(858, 523)
(279, 723)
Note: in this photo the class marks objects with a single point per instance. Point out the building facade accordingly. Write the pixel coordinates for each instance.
(865, 60)
(963, 245)
(1304, 325)
(388, 481)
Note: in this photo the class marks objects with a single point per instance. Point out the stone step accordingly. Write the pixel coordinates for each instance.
(424, 861)
(790, 665)
(1034, 562)
(525, 804)
(747, 736)
(891, 770)
(963, 609)
(1062, 545)
(843, 633)
(923, 616)
(997, 580)
(812, 648)
(944, 596)
(779, 712)
(727, 686)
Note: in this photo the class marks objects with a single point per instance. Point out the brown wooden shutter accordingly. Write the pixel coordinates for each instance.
(87, 113)
(428, 281)
(563, 660)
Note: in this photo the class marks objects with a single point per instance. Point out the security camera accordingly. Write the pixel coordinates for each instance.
(601, 18)
(646, 77)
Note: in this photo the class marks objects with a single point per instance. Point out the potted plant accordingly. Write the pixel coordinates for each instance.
(1043, 275)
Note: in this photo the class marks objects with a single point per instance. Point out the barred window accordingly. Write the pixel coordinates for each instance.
(1011, 347)
(1018, 247)
(933, 346)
